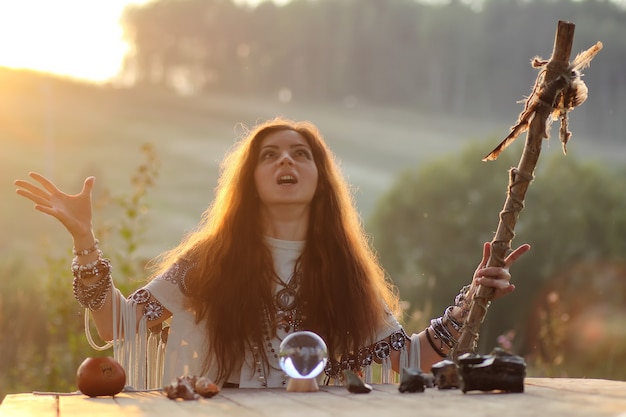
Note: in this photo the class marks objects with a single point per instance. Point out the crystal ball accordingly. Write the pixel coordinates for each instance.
(303, 355)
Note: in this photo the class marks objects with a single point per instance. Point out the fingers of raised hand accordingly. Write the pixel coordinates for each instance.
(45, 183)
(504, 291)
(493, 282)
(502, 285)
(486, 254)
(493, 276)
(32, 192)
(88, 185)
(514, 256)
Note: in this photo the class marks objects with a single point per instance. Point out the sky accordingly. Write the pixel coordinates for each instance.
(81, 39)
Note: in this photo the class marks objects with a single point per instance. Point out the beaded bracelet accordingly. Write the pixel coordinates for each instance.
(461, 300)
(97, 267)
(461, 297)
(78, 266)
(86, 252)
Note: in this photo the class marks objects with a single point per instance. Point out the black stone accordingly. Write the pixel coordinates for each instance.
(499, 371)
(412, 380)
(355, 384)
(429, 380)
(446, 374)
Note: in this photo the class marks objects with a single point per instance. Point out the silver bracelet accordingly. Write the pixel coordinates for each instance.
(86, 252)
(442, 332)
(92, 296)
(447, 315)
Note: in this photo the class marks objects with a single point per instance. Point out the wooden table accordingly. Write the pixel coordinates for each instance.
(542, 397)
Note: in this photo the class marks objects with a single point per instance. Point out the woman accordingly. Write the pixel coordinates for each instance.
(280, 249)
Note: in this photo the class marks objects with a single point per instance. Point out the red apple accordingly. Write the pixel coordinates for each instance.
(101, 376)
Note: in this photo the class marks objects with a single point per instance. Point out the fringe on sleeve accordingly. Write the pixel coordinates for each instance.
(140, 352)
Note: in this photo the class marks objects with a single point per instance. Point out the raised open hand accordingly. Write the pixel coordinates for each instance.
(496, 277)
(73, 211)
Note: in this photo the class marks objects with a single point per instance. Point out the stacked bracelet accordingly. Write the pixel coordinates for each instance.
(90, 269)
(449, 318)
(442, 333)
(431, 342)
(92, 296)
(439, 330)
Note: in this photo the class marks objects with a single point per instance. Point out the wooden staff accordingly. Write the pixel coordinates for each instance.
(557, 90)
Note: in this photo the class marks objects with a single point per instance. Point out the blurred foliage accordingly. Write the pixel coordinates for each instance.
(41, 324)
(576, 323)
(455, 57)
(129, 228)
(429, 229)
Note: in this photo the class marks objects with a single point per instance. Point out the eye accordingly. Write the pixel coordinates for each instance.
(303, 152)
(267, 154)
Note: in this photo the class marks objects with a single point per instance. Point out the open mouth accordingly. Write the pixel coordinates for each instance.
(287, 179)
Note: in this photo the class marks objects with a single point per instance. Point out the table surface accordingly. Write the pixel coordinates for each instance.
(541, 397)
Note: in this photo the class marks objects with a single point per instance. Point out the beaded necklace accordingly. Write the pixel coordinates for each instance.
(287, 318)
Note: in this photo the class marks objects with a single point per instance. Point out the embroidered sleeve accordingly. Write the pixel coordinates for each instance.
(152, 308)
(176, 275)
(169, 288)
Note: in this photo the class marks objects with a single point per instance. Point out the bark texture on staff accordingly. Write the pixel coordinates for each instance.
(557, 90)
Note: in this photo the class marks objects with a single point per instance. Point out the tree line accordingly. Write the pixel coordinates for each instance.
(455, 59)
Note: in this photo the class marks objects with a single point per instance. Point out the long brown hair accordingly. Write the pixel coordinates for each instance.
(343, 289)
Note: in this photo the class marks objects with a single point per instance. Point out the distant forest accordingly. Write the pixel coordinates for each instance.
(457, 58)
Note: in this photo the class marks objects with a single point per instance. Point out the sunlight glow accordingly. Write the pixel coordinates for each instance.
(75, 38)
(80, 39)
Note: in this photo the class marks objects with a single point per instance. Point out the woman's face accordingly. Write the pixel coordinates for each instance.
(285, 173)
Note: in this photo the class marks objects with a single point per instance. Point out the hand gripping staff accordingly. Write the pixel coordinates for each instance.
(557, 90)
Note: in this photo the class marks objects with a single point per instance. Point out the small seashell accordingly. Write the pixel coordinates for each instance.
(206, 388)
(182, 387)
